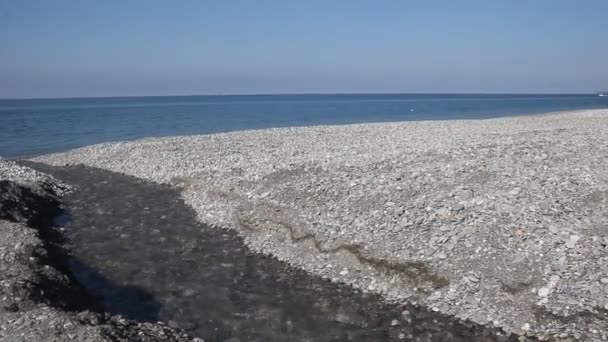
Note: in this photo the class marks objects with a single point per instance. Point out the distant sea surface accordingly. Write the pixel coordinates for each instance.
(37, 126)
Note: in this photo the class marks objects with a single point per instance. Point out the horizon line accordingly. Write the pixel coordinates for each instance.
(292, 94)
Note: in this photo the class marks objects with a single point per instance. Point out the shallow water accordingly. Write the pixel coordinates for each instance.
(38, 126)
(138, 247)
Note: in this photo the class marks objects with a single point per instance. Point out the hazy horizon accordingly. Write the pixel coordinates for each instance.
(69, 49)
(290, 94)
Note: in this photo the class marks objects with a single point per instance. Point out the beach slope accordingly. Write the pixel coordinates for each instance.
(500, 221)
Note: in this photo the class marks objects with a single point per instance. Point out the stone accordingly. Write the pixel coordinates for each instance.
(571, 242)
(458, 207)
(472, 278)
(406, 223)
(515, 192)
(443, 212)
(544, 291)
(465, 195)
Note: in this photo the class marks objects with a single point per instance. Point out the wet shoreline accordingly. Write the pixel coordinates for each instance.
(138, 242)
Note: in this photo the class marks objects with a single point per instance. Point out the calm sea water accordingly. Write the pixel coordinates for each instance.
(38, 126)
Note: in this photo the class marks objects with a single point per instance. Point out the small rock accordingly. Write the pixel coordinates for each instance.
(406, 223)
(445, 228)
(394, 322)
(465, 195)
(458, 207)
(571, 243)
(443, 212)
(544, 291)
(472, 278)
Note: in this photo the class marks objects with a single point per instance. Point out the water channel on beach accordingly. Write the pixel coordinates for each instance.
(138, 247)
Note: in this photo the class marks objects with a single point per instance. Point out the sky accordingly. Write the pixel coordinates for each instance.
(80, 48)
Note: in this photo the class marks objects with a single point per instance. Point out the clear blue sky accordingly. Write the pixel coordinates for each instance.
(125, 47)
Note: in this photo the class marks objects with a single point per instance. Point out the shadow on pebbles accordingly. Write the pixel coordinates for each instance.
(138, 247)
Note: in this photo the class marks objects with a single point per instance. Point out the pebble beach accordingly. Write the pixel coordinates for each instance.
(502, 222)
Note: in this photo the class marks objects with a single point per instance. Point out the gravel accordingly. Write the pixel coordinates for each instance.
(503, 221)
(14, 173)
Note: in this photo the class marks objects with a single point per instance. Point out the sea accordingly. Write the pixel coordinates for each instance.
(30, 127)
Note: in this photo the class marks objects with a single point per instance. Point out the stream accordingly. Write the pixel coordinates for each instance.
(139, 248)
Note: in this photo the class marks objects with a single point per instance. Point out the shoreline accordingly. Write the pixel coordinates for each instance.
(281, 127)
(503, 208)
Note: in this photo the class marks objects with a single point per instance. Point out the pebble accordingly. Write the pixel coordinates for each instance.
(441, 255)
(443, 212)
(458, 207)
(465, 195)
(571, 243)
(544, 291)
